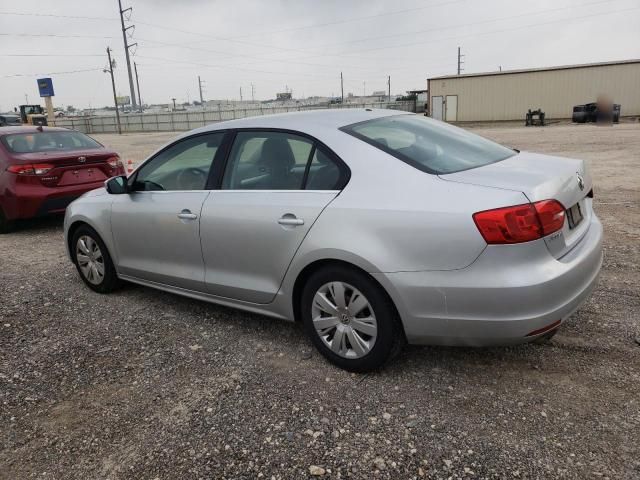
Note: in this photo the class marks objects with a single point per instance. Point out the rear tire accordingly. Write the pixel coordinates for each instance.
(92, 260)
(350, 319)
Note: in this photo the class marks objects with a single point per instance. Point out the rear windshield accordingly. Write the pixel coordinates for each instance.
(427, 144)
(48, 142)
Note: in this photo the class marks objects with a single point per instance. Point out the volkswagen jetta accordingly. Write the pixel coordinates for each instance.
(371, 227)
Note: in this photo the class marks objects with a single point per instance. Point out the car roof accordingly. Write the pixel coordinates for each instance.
(305, 120)
(30, 129)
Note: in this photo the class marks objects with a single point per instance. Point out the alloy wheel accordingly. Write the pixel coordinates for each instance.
(90, 259)
(344, 319)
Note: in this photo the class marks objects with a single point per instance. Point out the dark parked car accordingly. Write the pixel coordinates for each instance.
(589, 113)
(43, 169)
(10, 120)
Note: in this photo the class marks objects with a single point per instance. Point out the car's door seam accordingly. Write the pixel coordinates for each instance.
(300, 244)
(204, 263)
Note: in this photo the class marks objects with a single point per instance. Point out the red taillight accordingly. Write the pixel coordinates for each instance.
(551, 214)
(30, 168)
(116, 164)
(520, 223)
(25, 169)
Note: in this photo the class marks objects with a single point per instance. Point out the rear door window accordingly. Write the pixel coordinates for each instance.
(429, 145)
(264, 160)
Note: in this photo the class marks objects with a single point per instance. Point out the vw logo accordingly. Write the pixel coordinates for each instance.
(344, 318)
(580, 181)
(82, 159)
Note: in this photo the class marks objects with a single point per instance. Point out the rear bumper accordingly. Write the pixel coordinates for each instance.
(29, 201)
(509, 292)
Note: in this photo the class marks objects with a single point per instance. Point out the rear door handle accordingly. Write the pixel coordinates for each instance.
(187, 215)
(289, 219)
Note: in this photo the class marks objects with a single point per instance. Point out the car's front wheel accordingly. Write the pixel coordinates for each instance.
(350, 319)
(93, 261)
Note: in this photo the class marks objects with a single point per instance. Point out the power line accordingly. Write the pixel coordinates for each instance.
(490, 32)
(53, 35)
(449, 27)
(347, 20)
(52, 73)
(49, 55)
(26, 14)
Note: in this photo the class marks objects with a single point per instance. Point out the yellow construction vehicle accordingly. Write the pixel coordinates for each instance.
(33, 115)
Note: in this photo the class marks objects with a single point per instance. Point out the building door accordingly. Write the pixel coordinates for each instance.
(436, 107)
(451, 106)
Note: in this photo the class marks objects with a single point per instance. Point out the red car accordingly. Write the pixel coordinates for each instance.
(43, 169)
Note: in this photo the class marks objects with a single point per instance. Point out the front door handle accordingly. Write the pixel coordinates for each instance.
(290, 219)
(187, 215)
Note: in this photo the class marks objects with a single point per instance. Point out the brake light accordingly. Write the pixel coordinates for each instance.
(115, 163)
(520, 223)
(30, 169)
(25, 169)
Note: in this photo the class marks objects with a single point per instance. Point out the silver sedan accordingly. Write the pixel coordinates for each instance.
(372, 228)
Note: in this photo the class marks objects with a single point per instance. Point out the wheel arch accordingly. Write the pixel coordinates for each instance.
(71, 230)
(320, 264)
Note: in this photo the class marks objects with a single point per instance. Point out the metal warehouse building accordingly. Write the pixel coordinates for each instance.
(507, 95)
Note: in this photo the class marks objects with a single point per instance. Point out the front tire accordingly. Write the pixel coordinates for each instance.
(92, 260)
(350, 319)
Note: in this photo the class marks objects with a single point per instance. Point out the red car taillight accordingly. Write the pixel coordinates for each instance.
(116, 164)
(520, 223)
(30, 168)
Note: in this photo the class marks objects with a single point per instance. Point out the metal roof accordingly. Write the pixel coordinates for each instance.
(544, 69)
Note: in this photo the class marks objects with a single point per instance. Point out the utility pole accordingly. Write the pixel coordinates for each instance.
(200, 89)
(341, 87)
(460, 62)
(113, 85)
(364, 89)
(135, 67)
(126, 50)
(240, 93)
(500, 67)
(253, 93)
(389, 84)
(174, 104)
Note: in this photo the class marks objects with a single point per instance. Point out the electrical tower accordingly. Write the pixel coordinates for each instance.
(135, 68)
(460, 61)
(127, 46)
(113, 86)
(200, 82)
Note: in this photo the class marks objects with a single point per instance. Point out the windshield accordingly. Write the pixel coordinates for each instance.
(429, 145)
(48, 142)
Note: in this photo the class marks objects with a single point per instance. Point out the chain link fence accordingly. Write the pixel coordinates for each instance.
(187, 120)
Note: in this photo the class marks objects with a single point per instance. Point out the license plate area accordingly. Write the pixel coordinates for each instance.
(574, 216)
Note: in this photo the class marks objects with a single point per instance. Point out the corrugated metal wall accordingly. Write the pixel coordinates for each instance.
(508, 96)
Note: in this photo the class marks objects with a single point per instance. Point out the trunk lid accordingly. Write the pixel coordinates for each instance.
(542, 177)
(73, 167)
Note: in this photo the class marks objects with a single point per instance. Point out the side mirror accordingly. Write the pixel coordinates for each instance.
(116, 185)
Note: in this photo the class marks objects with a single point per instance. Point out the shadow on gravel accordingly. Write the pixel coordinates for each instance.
(37, 225)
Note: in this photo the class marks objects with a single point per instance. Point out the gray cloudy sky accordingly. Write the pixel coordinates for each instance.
(301, 44)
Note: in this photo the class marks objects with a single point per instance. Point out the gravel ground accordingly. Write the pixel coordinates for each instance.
(142, 384)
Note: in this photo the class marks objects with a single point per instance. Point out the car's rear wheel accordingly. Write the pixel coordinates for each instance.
(93, 261)
(350, 319)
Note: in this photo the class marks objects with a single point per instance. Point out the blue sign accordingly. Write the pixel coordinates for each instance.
(45, 86)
